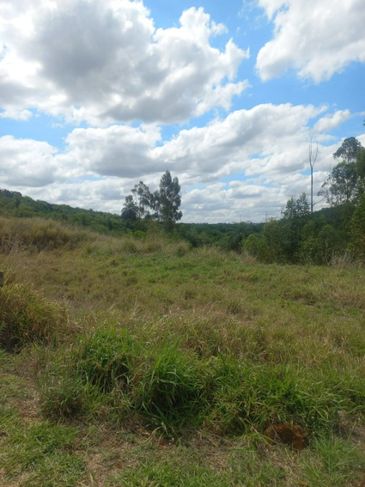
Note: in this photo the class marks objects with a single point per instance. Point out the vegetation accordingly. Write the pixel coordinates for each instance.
(162, 205)
(147, 361)
(318, 238)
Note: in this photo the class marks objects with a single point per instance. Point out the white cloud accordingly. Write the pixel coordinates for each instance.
(332, 121)
(26, 162)
(104, 60)
(264, 151)
(316, 38)
(117, 150)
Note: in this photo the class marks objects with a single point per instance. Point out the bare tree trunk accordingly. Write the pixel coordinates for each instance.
(312, 157)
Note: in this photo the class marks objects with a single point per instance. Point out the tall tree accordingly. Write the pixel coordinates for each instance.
(348, 150)
(162, 205)
(342, 185)
(144, 199)
(169, 200)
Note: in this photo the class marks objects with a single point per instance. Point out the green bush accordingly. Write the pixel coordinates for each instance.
(257, 246)
(26, 317)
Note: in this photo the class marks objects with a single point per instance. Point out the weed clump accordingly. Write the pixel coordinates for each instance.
(172, 391)
(63, 396)
(257, 396)
(106, 360)
(25, 317)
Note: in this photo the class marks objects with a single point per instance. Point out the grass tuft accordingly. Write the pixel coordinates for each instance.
(172, 391)
(26, 317)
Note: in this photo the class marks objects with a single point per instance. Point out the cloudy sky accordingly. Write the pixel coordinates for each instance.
(96, 95)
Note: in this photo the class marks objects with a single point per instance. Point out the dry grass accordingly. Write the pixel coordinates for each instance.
(307, 321)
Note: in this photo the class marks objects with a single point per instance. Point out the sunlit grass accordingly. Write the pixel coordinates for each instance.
(137, 338)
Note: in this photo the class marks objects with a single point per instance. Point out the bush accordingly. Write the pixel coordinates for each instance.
(257, 246)
(26, 317)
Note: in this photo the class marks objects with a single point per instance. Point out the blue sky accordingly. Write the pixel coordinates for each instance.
(98, 94)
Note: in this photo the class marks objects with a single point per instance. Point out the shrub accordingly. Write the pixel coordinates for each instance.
(257, 246)
(26, 317)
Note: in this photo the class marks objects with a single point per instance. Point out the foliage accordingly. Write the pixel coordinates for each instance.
(172, 391)
(345, 180)
(349, 150)
(257, 246)
(105, 360)
(14, 204)
(169, 200)
(358, 230)
(162, 205)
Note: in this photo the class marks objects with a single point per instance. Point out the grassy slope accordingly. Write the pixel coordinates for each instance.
(308, 320)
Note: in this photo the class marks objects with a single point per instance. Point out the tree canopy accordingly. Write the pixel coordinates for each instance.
(161, 205)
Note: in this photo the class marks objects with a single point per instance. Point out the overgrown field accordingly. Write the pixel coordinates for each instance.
(142, 362)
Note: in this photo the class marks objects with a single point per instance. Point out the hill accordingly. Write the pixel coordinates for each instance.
(128, 362)
(227, 236)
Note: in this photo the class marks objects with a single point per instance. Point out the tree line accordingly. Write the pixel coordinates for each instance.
(302, 236)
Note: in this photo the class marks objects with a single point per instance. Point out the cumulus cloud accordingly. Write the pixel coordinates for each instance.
(266, 138)
(332, 121)
(118, 150)
(316, 38)
(262, 152)
(105, 60)
(26, 162)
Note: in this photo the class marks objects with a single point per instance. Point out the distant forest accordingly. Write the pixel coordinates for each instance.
(299, 236)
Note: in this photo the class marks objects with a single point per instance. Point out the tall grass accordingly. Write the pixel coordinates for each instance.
(26, 317)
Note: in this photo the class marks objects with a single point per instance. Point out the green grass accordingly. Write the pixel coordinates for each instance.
(144, 362)
(41, 454)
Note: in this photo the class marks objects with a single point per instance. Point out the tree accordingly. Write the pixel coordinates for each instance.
(358, 230)
(295, 216)
(348, 150)
(162, 205)
(130, 211)
(144, 200)
(360, 163)
(341, 185)
(168, 200)
(296, 208)
(344, 182)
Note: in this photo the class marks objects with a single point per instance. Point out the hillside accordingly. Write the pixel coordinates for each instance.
(146, 362)
(224, 235)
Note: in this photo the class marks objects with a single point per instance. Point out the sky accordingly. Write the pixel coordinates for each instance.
(96, 95)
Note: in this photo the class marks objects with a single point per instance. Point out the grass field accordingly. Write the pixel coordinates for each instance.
(142, 362)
